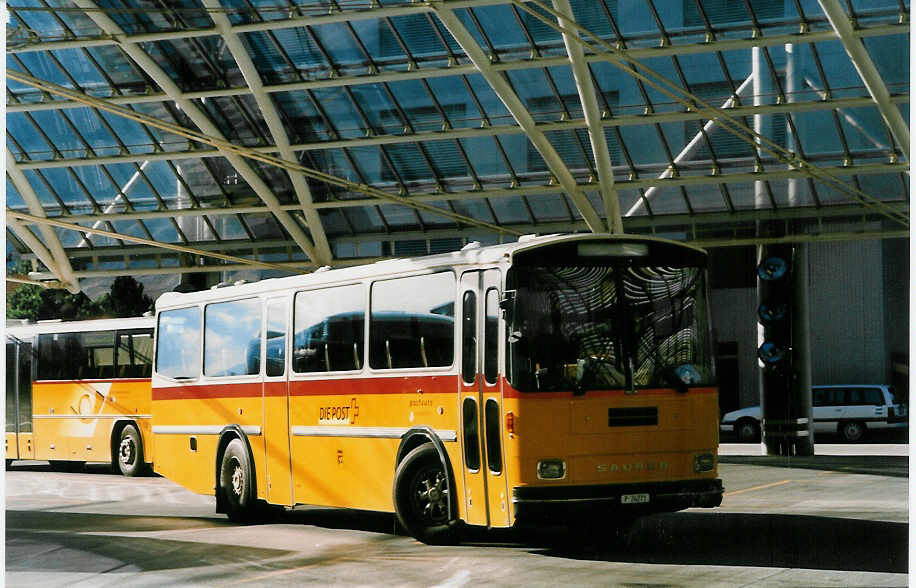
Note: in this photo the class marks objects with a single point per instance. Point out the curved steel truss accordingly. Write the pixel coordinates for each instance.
(153, 137)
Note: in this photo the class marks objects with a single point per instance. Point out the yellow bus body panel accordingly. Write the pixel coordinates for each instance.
(74, 420)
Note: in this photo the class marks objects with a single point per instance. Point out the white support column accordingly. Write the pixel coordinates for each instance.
(51, 253)
(762, 86)
(274, 124)
(203, 122)
(521, 115)
(688, 150)
(586, 88)
(863, 63)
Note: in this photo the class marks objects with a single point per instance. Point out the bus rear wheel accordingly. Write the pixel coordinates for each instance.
(421, 497)
(235, 483)
(130, 452)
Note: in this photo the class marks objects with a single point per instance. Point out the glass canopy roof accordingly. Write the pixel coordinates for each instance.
(433, 124)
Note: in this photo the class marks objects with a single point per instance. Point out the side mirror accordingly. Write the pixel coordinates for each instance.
(507, 305)
(683, 376)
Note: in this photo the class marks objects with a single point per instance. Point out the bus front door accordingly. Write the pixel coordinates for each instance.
(19, 400)
(276, 405)
(485, 487)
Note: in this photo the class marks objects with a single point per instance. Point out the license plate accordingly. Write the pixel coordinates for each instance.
(634, 498)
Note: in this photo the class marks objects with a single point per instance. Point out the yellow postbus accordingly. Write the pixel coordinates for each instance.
(553, 377)
(79, 391)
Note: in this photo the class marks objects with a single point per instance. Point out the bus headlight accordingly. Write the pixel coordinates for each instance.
(551, 469)
(704, 462)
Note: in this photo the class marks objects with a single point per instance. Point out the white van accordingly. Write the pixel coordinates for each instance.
(849, 410)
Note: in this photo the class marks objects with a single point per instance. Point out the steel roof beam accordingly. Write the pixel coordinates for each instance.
(51, 252)
(519, 112)
(863, 63)
(688, 151)
(203, 122)
(297, 267)
(417, 8)
(464, 69)
(673, 182)
(585, 86)
(466, 133)
(271, 116)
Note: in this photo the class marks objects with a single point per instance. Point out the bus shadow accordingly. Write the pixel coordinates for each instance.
(734, 539)
(97, 468)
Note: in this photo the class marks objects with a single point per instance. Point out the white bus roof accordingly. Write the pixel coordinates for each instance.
(469, 255)
(21, 330)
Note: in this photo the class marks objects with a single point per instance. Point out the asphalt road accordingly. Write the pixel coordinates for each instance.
(778, 526)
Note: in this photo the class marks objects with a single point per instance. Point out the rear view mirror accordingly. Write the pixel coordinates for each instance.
(507, 305)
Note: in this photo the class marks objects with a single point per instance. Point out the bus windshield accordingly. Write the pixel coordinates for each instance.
(620, 325)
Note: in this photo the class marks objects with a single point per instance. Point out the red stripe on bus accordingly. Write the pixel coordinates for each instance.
(509, 392)
(99, 381)
(348, 387)
(395, 385)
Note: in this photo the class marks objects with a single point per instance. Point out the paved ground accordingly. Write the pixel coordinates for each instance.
(778, 526)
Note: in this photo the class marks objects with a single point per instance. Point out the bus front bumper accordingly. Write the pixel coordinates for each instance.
(558, 502)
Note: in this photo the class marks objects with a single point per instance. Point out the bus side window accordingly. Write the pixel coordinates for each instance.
(328, 329)
(232, 338)
(491, 337)
(134, 355)
(276, 338)
(412, 322)
(178, 348)
(57, 353)
(98, 355)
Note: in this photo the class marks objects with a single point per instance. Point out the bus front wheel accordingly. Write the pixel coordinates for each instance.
(235, 482)
(421, 496)
(130, 452)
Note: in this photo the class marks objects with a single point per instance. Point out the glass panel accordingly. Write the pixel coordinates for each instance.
(276, 338)
(608, 326)
(329, 331)
(178, 344)
(412, 322)
(469, 337)
(471, 439)
(494, 447)
(232, 338)
(11, 387)
(491, 337)
(76, 356)
(135, 355)
(25, 387)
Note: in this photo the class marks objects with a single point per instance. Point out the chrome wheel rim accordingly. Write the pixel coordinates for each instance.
(238, 478)
(431, 496)
(127, 451)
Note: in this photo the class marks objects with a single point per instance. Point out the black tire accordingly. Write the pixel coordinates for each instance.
(9, 463)
(747, 431)
(421, 497)
(129, 455)
(852, 431)
(235, 483)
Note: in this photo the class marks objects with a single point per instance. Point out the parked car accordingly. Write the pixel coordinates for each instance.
(848, 410)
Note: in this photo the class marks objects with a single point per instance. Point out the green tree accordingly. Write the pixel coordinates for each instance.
(126, 298)
(36, 303)
(23, 302)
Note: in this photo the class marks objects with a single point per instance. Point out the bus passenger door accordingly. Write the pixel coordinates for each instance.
(12, 408)
(492, 411)
(276, 404)
(485, 497)
(469, 397)
(19, 400)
